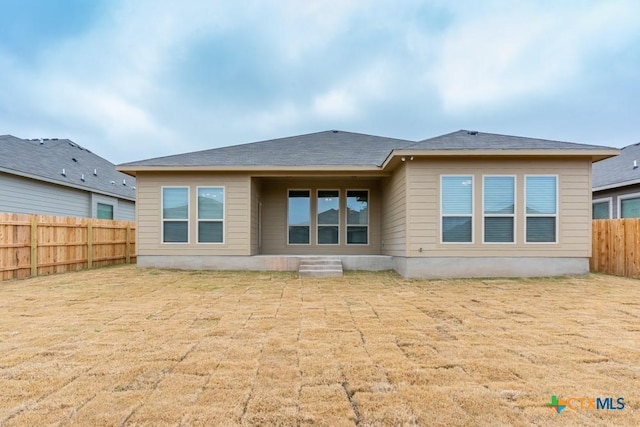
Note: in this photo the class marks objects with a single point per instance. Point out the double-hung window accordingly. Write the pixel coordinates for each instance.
(357, 217)
(299, 217)
(210, 214)
(541, 208)
(499, 209)
(328, 212)
(104, 211)
(175, 214)
(456, 209)
(601, 209)
(629, 206)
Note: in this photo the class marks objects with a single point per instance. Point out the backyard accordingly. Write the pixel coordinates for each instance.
(126, 346)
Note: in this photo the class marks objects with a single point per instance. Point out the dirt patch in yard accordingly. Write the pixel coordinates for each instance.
(126, 346)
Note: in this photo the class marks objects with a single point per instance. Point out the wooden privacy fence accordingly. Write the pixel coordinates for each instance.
(616, 247)
(32, 245)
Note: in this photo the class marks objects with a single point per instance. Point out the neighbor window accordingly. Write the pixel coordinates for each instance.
(299, 217)
(357, 217)
(328, 208)
(629, 207)
(175, 214)
(541, 209)
(457, 209)
(210, 214)
(105, 211)
(601, 209)
(499, 212)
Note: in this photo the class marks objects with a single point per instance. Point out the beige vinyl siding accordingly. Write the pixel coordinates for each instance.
(237, 228)
(394, 213)
(274, 197)
(574, 207)
(255, 216)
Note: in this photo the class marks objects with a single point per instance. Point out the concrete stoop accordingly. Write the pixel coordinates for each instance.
(320, 267)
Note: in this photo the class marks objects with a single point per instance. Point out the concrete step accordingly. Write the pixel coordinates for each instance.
(320, 267)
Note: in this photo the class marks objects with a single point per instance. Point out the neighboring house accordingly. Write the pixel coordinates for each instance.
(462, 204)
(616, 185)
(59, 177)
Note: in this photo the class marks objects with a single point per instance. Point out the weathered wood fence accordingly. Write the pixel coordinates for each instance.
(33, 245)
(616, 247)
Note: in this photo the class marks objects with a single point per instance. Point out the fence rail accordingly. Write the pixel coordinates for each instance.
(616, 247)
(33, 245)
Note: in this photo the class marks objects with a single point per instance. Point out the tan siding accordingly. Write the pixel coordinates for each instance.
(574, 232)
(237, 213)
(394, 212)
(255, 217)
(274, 216)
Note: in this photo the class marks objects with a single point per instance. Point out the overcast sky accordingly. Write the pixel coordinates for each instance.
(135, 79)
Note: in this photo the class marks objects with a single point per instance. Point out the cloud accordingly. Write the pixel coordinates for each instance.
(523, 49)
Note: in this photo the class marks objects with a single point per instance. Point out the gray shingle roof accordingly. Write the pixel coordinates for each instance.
(328, 148)
(618, 171)
(46, 161)
(338, 148)
(472, 140)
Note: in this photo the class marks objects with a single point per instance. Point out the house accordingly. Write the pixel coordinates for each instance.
(463, 204)
(59, 177)
(616, 185)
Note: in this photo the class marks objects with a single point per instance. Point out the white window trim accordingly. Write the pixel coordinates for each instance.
(473, 209)
(318, 225)
(606, 199)
(224, 215)
(346, 220)
(162, 220)
(310, 216)
(556, 215)
(513, 215)
(624, 197)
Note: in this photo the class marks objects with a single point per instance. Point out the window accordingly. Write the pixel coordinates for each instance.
(175, 214)
(629, 206)
(104, 211)
(210, 214)
(328, 208)
(498, 208)
(601, 209)
(357, 217)
(299, 216)
(541, 209)
(457, 209)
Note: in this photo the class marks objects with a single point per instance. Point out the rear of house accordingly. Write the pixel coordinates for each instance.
(460, 205)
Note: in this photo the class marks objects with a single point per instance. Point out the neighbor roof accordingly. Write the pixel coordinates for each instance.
(45, 160)
(618, 171)
(337, 149)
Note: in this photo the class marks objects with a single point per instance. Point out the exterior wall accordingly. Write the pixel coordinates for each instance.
(126, 210)
(394, 213)
(274, 196)
(615, 194)
(574, 208)
(255, 217)
(237, 227)
(24, 195)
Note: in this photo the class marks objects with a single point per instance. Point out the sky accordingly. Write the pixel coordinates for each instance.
(136, 79)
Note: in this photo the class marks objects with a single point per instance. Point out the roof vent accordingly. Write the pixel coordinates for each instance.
(41, 141)
(64, 172)
(334, 131)
(74, 159)
(635, 164)
(95, 172)
(472, 132)
(124, 182)
(112, 182)
(82, 177)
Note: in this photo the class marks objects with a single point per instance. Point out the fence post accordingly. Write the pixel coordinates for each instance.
(34, 245)
(89, 243)
(127, 250)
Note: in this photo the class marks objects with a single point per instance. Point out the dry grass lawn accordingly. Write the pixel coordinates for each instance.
(123, 346)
